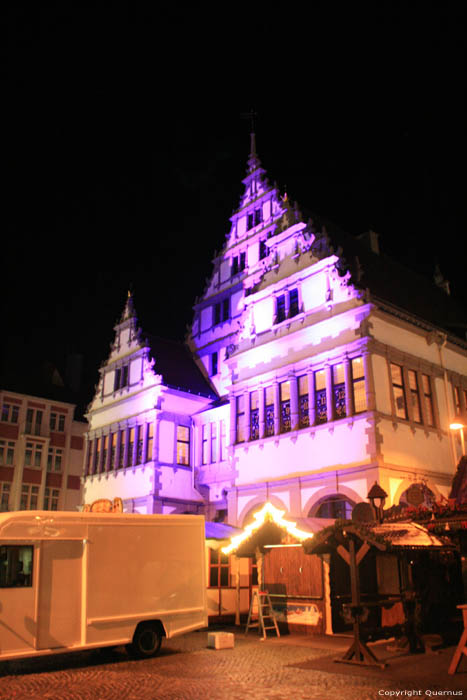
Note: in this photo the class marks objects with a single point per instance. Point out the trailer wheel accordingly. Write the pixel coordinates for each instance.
(146, 640)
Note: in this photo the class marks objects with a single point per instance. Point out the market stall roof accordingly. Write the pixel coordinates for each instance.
(219, 531)
(384, 536)
(269, 527)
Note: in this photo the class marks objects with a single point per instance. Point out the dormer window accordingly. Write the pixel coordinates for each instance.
(121, 378)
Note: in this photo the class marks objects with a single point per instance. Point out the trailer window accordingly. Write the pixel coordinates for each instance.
(16, 566)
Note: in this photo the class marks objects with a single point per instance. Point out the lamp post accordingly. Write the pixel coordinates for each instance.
(460, 427)
(377, 497)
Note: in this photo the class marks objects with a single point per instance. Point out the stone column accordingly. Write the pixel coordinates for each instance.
(311, 396)
(277, 408)
(293, 401)
(261, 411)
(246, 401)
(329, 394)
(349, 409)
(144, 428)
(125, 452)
(233, 420)
(369, 381)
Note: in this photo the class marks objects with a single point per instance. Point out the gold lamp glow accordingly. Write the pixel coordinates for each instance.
(460, 427)
(273, 514)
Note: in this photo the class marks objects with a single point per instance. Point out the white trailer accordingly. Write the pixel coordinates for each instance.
(72, 581)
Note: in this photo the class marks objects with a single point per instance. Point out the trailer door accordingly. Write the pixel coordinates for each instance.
(59, 609)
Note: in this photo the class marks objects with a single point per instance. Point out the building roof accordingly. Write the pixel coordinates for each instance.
(385, 537)
(175, 363)
(391, 284)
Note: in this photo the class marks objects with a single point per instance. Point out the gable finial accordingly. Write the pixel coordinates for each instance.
(253, 157)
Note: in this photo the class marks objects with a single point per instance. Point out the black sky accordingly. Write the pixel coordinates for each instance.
(125, 150)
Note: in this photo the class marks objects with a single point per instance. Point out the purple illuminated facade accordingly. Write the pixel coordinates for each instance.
(300, 387)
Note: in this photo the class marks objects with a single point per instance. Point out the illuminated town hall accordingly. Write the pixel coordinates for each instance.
(314, 366)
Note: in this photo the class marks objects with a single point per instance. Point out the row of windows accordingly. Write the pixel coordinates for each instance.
(29, 497)
(32, 455)
(327, 402)
(34, 416)
(130, 447)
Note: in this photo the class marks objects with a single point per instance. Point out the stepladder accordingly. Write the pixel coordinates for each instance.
(266, 619)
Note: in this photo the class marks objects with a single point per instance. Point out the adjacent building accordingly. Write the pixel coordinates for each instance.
(41, 453)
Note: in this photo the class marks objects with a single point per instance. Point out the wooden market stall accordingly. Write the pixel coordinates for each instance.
(394, 550)
(295, 582)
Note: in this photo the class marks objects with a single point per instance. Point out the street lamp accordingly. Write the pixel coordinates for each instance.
(460, 427)
(377, 497)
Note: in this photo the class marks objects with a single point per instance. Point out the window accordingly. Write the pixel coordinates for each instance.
(57, 422)
(287, 305)
(293, 303)
(7, 452)
(97, 462)
(238, 263)
(105, 450)
(254, 415)
(33, 454)
(457, 400)
(414, 396)
(139, 447)
(280, 308)
(4, 497)
(29, 497)
(54, 459)
(214, 360)
(150, 442)
(263, 250)
(321, 409)
(219, 569)
(121, 378)
(284, 392)
(183, 445)
(240, 403)
(216, 313)
(205, 433)
(303, 412)
(89, 457)
(131, 443)
(258, 216)
(121, 456)
(51, 497)
(335, 507)
(399, 392)
(226, 309)
(16, 566)
(428, 396)
(33, 421)
(358, 385)
(222, 441)
(269, 411)
(10, 413)
(249, 221)
(338, 390)
(113, 449)
(213, 442)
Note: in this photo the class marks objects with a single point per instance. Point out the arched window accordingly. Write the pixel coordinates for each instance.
(335, 506)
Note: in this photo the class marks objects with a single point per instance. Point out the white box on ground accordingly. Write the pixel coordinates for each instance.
(220, 640)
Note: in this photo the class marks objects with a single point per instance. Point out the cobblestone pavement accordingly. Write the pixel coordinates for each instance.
(289, 668)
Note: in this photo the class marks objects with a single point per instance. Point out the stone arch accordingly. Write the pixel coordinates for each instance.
(255, 504)
(402, 488)
(314, 502)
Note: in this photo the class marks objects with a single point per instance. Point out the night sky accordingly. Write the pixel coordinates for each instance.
(124, 149)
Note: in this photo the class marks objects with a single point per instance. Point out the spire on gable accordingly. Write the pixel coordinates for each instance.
(129, 310)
